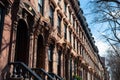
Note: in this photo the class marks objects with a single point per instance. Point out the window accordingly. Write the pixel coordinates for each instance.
(59, 25)
(75, 66)
(74, 42)
(69, 15)
(70, 35)
(2, 14)
(77, 47)
(40, 6)
(80, 49)
(65, 31)
(77, 28)
(50, 57)
(73, 22)
(51, 15)
(59, 63)
(50, 52)
(65, 7)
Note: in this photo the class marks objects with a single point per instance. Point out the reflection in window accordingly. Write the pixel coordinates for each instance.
(40, 6)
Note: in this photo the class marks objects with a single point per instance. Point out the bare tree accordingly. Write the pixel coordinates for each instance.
(108, 12)
(114, 63)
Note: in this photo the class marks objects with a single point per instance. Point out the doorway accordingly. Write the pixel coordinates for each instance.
(40, 63)
(22, 43)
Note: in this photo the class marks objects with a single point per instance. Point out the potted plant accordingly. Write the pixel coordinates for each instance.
(77, 77)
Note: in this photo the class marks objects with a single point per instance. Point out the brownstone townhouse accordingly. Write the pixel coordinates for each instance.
(46, 40)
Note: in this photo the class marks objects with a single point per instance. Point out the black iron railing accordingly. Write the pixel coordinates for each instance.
(21, 71)
(41, 72)
(55, 76)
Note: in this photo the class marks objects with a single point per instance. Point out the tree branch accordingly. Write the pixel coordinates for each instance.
(115, 1)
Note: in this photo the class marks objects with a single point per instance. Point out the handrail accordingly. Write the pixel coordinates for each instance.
(28, 69)
(60, 78)
(42, 70)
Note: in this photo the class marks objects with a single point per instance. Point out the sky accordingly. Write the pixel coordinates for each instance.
(96, 29)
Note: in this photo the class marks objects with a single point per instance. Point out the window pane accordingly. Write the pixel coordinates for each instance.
(65, 7)
(40, 6)
(51, 15)
(59, 21)
(59, 25)
(65, 31)
(49, 55)
(40, 2)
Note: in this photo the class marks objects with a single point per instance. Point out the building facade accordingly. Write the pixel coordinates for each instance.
(48, 34)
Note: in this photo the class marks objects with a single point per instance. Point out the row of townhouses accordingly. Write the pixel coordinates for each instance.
(47, 40)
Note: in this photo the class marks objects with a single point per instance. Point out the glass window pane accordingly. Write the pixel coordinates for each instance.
(40, 2)
(65, 7)
(51, 15)
(49, 55)
(40, 6)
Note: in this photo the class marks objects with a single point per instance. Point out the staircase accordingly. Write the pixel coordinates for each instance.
(20, 71)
